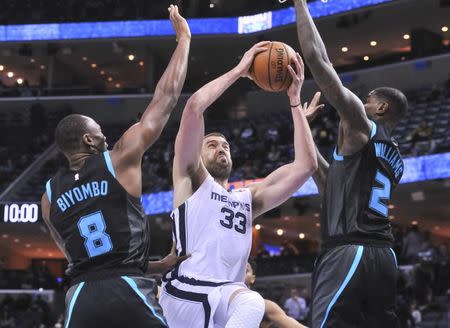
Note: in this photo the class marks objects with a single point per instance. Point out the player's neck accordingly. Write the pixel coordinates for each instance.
(223, 183)
(388, 125)
(76, 161)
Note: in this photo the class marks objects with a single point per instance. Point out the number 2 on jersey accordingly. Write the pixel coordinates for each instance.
(378, 194)
(92, 228)
(227, 221)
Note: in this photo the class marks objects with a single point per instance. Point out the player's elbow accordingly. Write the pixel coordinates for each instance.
(194, 106)
(307, 166)
(315, 56)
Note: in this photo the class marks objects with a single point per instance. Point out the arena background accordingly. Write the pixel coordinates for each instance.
(103, 58)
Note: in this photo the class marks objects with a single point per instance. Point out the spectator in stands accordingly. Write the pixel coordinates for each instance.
(412, 244)
(415, 313)
(442, 270)
(295, 306)
(404, 312)
(421, 138)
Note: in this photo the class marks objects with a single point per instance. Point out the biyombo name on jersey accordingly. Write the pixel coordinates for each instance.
(81, 193)
(391, 156)
(231, 203)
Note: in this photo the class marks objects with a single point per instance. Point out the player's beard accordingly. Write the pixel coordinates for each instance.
(219, 170)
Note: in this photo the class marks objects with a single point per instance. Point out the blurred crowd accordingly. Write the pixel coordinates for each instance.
(259, 143)
(58, 11)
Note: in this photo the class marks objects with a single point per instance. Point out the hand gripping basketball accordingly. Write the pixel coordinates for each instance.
(247, 60)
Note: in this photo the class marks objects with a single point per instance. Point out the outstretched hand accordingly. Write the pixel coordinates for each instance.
(247, 60)
(313, 109)
(179, 24)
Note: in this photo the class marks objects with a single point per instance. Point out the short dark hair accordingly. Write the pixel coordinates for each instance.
(215, 134)
(252, 263)
(69, 132)
(398, 104)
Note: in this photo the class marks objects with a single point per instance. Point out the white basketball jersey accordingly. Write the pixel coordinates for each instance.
(214, 226)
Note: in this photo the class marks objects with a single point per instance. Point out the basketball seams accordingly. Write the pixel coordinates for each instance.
(268, 67)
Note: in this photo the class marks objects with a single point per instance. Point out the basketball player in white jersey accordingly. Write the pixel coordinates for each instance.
(214, 224)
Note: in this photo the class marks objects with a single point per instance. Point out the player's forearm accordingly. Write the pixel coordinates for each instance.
(284, 321)
(305, 154)
(313, 48)
(171, 83)
(209, 93)
(320, 176)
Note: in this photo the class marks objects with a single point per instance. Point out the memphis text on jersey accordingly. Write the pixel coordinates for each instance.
(391, 156)
(233, 204)
(81, 193)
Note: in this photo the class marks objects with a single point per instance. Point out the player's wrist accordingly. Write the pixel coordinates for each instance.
(294, 101)
(184, 38)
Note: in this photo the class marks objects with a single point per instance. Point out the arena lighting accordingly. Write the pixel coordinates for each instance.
(19, 81)
(366, 58)
(280, 232)
(102, 72)
(423, 168)
(204, 26)
(258, 227)
(141, 63)
(4, 235)
(391, 217)
(444, 29)
(28, 245)
(406, 36)
(32, 60)
(93, 65)
(42, 67)
(414, 222)
(16, 240)
(373, 43)
(344, 49)
(84, 58)
(110, 79)
(2, 68)
(391, 206)
(301, 236)
(130, 57)
(117, 85)
(318, 225)
(10, 74)
(211, 5)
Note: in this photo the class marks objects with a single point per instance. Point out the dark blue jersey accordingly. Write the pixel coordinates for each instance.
(357, 193)
(101, 226)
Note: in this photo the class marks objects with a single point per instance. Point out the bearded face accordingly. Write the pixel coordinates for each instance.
(216, 157)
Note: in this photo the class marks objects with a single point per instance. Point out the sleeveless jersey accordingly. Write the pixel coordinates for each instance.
(214, 226)
(357, 193)
(100, 224)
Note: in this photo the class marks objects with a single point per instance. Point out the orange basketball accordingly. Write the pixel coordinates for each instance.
(269, 69)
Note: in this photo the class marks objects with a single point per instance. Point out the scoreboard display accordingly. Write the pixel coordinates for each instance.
(20, 212)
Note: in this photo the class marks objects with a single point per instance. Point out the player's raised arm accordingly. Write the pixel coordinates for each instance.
(137, 139)
(348, 105)
(278, 186)
(188, 170)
